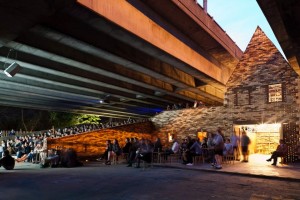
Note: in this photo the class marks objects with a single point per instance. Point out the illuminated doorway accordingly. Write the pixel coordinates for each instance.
(264, 137)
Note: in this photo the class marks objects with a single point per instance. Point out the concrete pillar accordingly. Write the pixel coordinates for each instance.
(205, 6)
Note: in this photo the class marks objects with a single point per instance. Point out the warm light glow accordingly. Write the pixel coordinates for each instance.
(268, 127)
(202, 135)
(262, 127)
(170, 137)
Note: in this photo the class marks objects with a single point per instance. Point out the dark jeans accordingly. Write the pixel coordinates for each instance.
(145, 157)
(187, 157)
(210, 155)
(167, 153)
(131, 157)
(275, 155)
(105, 155)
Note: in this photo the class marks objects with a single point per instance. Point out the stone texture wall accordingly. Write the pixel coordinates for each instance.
(247, 88)
(187, 122)
(246, 99)
(93, 143)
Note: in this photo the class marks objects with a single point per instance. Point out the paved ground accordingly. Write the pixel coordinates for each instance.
(172, 181)
(256, 167)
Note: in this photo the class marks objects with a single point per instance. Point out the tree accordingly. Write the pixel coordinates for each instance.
(70, 119)
(89, 119)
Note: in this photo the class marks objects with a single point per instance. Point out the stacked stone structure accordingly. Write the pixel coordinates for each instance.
(92, 144)
(248, 96)
(263, 88)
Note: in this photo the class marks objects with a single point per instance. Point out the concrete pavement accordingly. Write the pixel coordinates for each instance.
(254, 180)
(256, 167)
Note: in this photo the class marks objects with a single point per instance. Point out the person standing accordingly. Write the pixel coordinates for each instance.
(218, 149)
(235, 140)
(43, 152)
(245, 141)
(109, 149)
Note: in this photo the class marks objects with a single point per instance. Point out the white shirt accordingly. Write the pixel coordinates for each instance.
(175, 147)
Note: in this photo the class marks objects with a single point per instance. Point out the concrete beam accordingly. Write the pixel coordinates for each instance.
(81, 66)
(63, 104)
(138, 24)
(156, 69)
(65, 78)
(209, 25)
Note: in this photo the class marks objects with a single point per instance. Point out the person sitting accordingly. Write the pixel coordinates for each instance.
(196, 148)
(52, 158)
(157, 145)
(69, 158)
(7, 161)
(281, 151)
(116, 150)
(132, 151)
(27, 154)
(174, 149)
(144, 152)
(185, 151)
(228, 148)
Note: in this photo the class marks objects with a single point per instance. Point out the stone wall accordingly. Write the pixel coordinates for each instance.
(93, 143)
(248, 87)
(187, 122)
(246, 100)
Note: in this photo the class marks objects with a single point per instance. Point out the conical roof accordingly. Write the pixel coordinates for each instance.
(260, 63)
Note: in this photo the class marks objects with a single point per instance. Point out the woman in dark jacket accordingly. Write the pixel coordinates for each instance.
(127, 146)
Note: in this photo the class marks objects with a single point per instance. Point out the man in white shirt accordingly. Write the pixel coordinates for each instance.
(175, 146)
(174, 149)
(218, 149)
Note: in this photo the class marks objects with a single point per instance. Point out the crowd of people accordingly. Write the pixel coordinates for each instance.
(134, 151)
(213, 147)
(32, 147)
(186, 105)
(60, 132)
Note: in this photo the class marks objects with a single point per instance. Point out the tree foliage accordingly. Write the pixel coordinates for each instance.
(88, 119)
(35, 120)
(71, 119)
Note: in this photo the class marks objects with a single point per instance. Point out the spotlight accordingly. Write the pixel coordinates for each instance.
(12, 69)
(139, 96)
(104, 101)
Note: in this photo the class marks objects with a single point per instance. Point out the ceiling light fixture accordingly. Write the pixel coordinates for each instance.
(104, 100)
(13, 68)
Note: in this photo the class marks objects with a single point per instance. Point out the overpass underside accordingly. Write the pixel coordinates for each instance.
(138, 56)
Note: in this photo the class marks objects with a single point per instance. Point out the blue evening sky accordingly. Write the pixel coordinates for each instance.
(239, 18)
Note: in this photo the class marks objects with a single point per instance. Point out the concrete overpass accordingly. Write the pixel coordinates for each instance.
(137, 55)
(284, 19)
